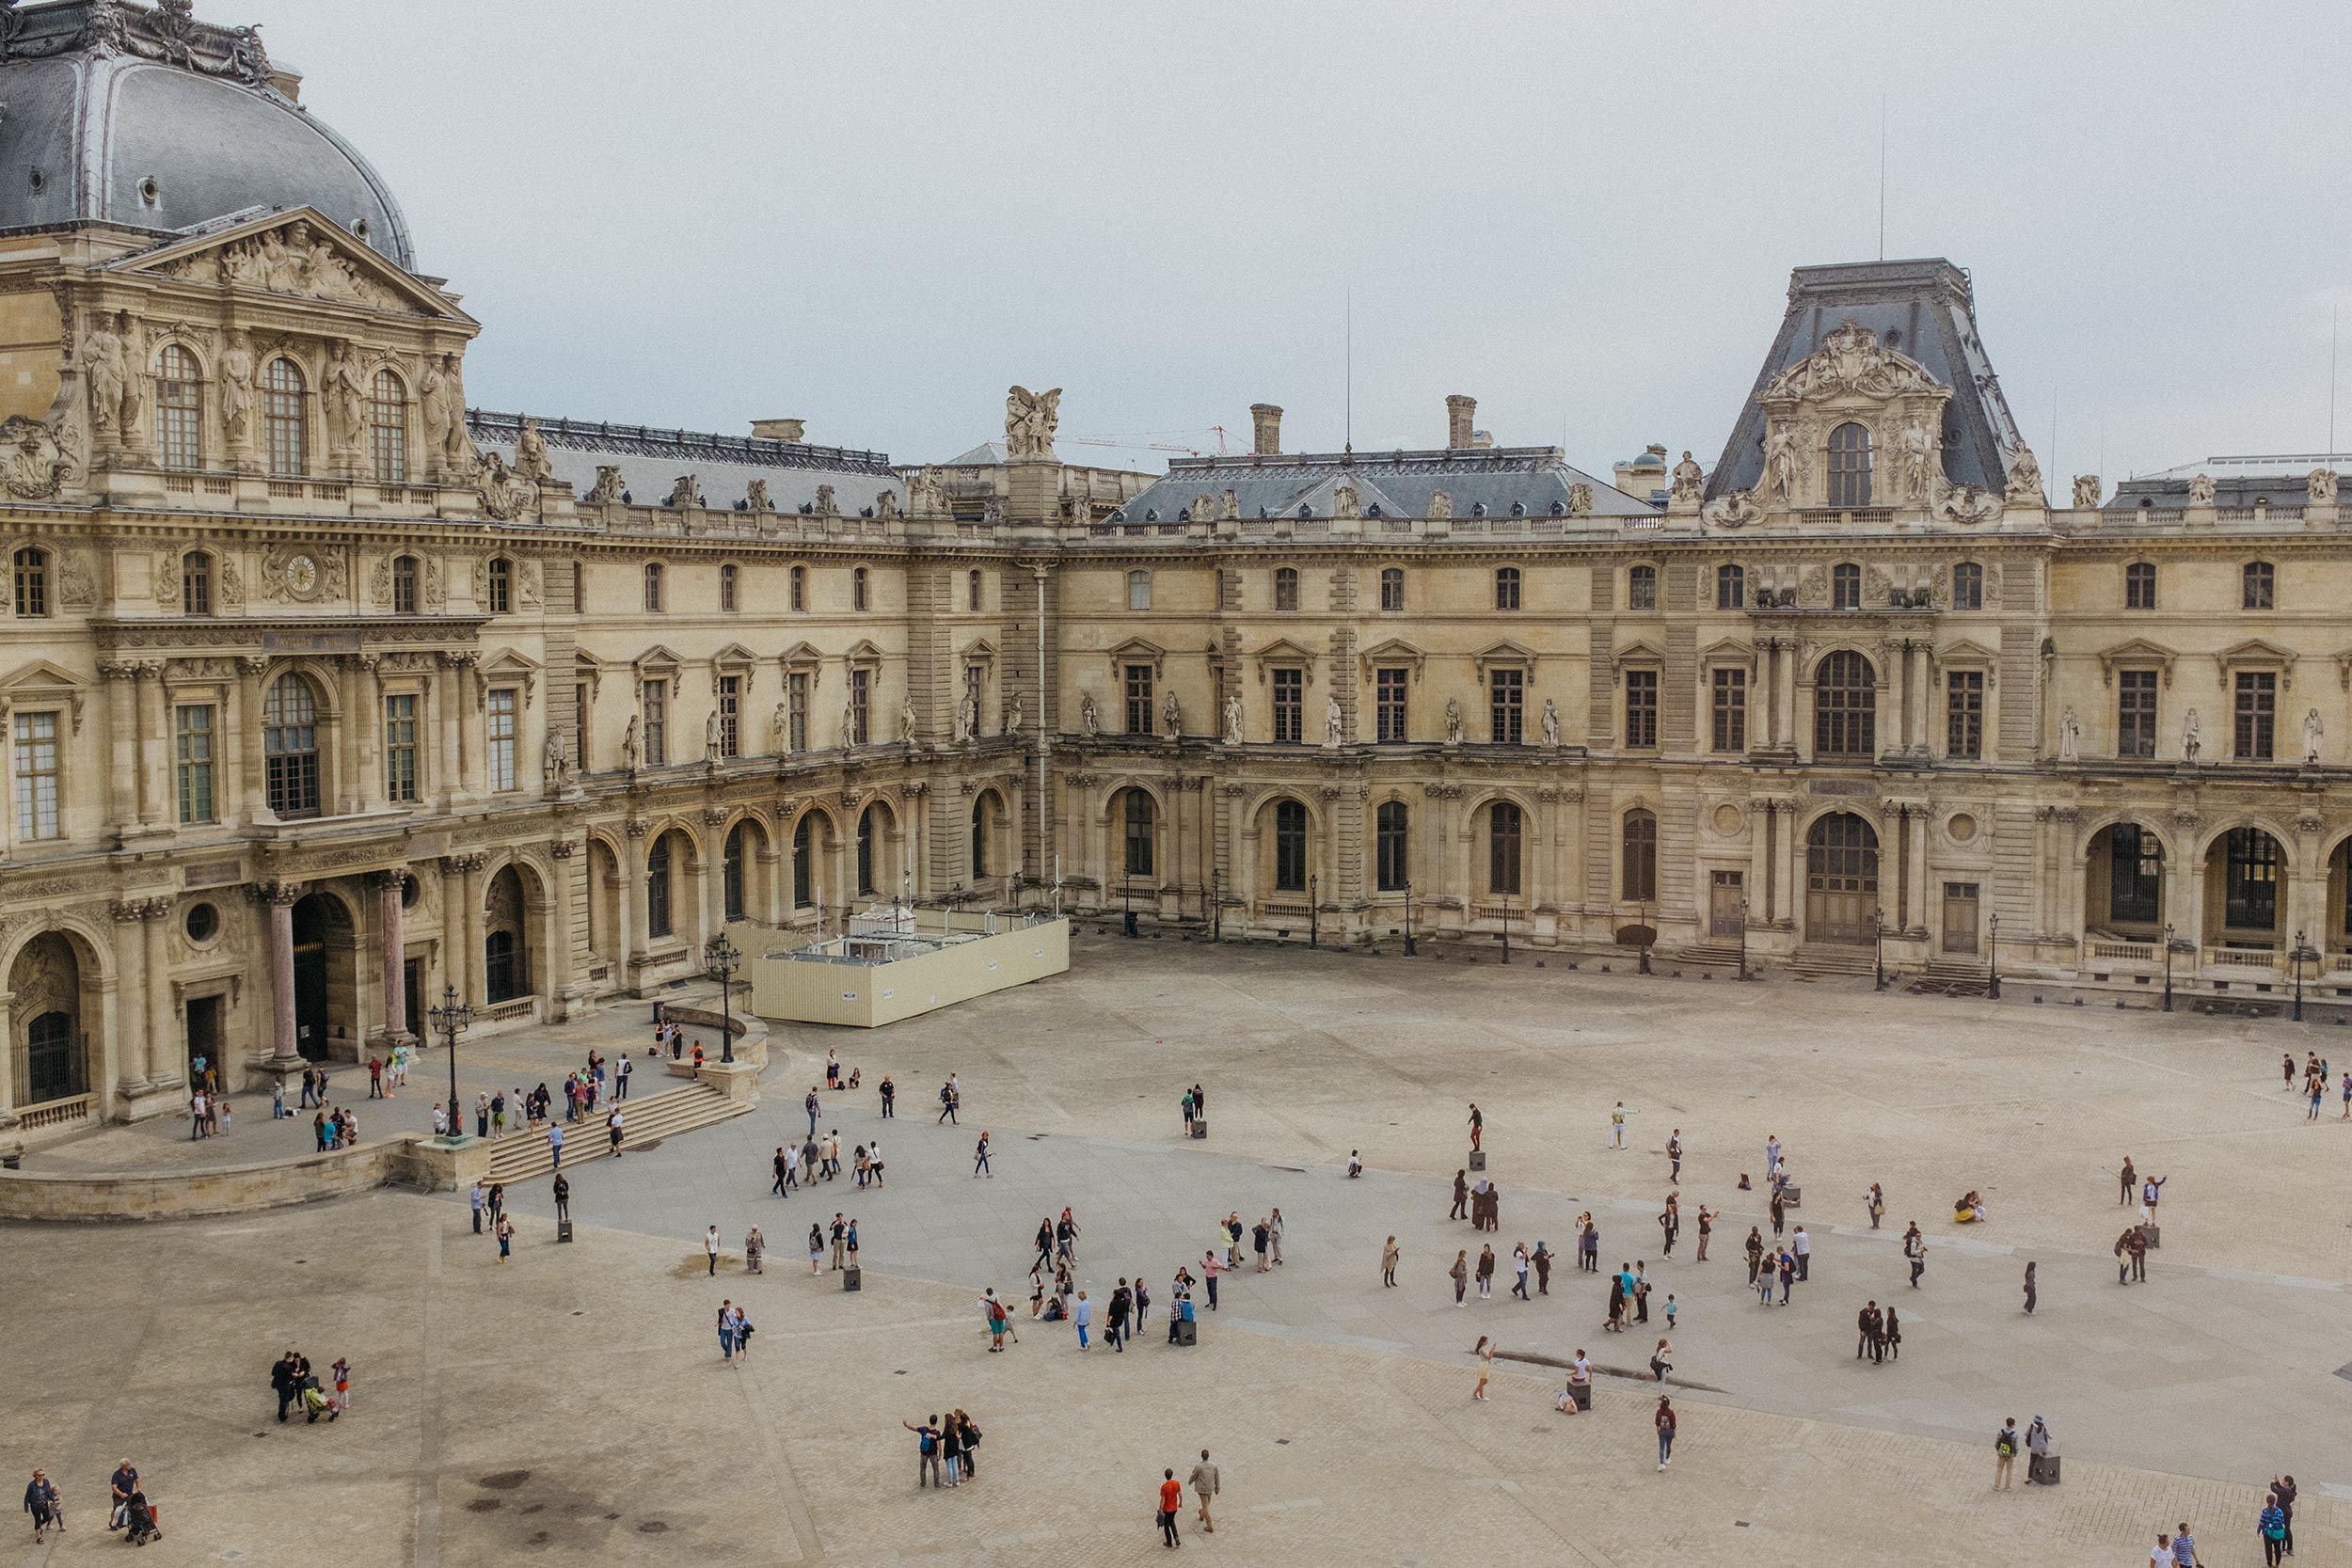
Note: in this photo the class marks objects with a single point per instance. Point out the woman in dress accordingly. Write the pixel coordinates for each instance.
(1388, 1263)
(816, 1250)
(1486, 1353)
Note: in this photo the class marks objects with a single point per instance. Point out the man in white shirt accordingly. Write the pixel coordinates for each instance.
(1802, 1247)
(1616, 1125)
(620, 1078)
(711, 1249)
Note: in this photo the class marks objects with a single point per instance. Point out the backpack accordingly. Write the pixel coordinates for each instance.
(930, 1443)
(2006, 1442)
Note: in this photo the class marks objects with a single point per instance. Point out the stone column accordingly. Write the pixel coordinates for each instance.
(8, 1059)
(393, 920)
(1759, 862)
(446, 698)
(155, 806)
(367, 702)
(123, 802)
(131, 1024)
(556, 982)
(1791, 866)
(475, 988)
(714, 888)
(455, 960)
(1923, 902)
(1928, 709)
(633, 937)
(251, 780)
(1894, 736)
(280, 899)
(165, 1053)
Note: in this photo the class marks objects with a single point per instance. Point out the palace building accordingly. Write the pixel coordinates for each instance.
(324, 691)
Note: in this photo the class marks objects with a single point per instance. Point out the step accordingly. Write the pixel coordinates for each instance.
(1832, 958)
(522, 1155)
(1720, 955)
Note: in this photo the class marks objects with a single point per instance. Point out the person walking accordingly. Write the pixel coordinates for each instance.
(1518, 1269)
(2029, 1292)
(2006, 1443)
(479, 1198)
(1589, 1240)
(1387, 1263)
(1485, 1350)
(711, 1250)
(41, 1502)
(1204, 1490)
(1461, 1197)
(1915, 1249)
(926, 1452)
(1756, 1253)
(1664, 1422)
(889, 1098)
(1776, 1210)
(1891, 1334)
(1171, 1498)
(1459, 1274)
(2184, 1548)
(1542, 1260)
(506, 1238)
(816, 1250)
(620, 1078)
(1486, 1274)
(1674, 1155)
(1787, 1276)
(613, 1129)
(2319, 1095)
(1121, 1304)
(2271, 1525)
(979, 1158)
(1274, 1234)
(555, 1144)
(1661, 1360)
(1083, 1315)
(1670, 1222)
(1616, 1125)
(1874, 1204)
(1707, 1228)
(727, 1331)
(946, 1103)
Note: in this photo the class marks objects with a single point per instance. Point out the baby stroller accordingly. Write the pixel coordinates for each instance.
(316, 1403)
(143, 1525)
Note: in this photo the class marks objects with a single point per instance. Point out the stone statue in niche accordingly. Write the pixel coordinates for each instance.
(2313, 734)
(1919, 449)
(1453, 721)
(967, 719)
(1780, 464)
(1172, 713)
(1233, 719)
(1090, 718)
(1550, 725)
(105, 366)
(1012, 715)
(780, 730)
(710, 735)
(1334, 721)
(555, 762)
(2191, 741)
(2070, 737)
(2086, 490)
(2200, 490)
(906, 720)
(1688, 477)
(237, 385)
(346, 402)
(629, 750)
(849, 720)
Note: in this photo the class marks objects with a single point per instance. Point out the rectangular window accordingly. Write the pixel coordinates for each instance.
(975, 689)
(1641, 709)
(1731, 710)
(192, 757)
(1394, 870)
(861, 699)
(2136, 713)
(657, 724)
(1507, 716)
(35, 775)
(1964, 715)
(730, 716)
(499, 713)
(400, 748)
(1139, 591)
(796, 713)
(1392, 588)
(580, 725)
(1139, 699)
(1388, 704)
(2134, 876)
(2257, 714)
(1290, 706)
(2249, 886)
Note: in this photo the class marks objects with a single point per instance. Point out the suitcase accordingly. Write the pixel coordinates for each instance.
(1199, 1128)
(854, 1278)
(2149, 1233)
(1187, 1332)
(562, 1231)
(1478, 1159)
(2042, 1469)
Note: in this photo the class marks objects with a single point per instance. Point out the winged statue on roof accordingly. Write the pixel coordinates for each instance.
(1030, 418)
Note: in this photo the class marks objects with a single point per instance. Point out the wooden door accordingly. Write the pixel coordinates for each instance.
(1841, 858)
(1723, 900)
(1959, 917)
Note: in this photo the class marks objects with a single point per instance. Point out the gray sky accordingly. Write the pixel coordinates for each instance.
(875, 214)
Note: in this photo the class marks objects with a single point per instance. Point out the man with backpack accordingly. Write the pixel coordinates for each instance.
(2005, 1446)
(927, 1450)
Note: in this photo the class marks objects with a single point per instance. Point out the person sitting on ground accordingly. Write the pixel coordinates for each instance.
(1969, 1209)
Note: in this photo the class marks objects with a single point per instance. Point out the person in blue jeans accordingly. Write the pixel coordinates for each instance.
(2273, 1529)
(1664, 1422)
(1083, 1314)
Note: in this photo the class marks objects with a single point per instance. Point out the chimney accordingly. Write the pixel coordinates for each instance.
(1459, 411)
(1267, 418)
(778, 429)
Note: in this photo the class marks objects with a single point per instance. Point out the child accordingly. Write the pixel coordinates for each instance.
(224, 1113)
(1670, 1311)
(342, 1388)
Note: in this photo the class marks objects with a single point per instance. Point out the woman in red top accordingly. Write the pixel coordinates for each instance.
(1171, 1498)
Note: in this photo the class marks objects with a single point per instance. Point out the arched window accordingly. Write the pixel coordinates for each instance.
(1391, 864)
(1505, 823)
(53, 1068)
(1139, 822)
(1286, 588)
(857, 589)
(196, 583)
(1850, 466)
(1845, 707)
(658, 921)
(2260, 584)
(179, 408)
(404, 585)
(387, 428)
(502, 978)
(1845, 586)
(285, 419)
(290, 747)
(800, 588)
(1290, 847)
(867, 832)
(502, 585)
(1507, 588)
(1731, 588)
(653, 587)
(1639, 862)
(972, 587)
(1641, 588)
(32, 583)
(730, 583)
(731, 873)
(1391, 588)
(2140, 585)
(2250, 890)
(804, 875)
(1139, 591)
(1968, 586)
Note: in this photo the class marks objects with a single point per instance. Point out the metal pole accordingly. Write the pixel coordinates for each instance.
(1216, 908)
(1506, 933)
(1743, 938)
(2301, 947)
(1992, 979)
(1408, 920)
(2167, 966)
(1315, 901)
(1878, 949)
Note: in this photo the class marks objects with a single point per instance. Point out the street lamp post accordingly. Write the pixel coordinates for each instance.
(1127, 902)
(1506, 933)
(1743, 938)
(1408, 920)
(2167, 966)
(720, 960)
(1216, 907)
(448, 1021)
(1992, 976)
(1314, 905)
(1878, 949)
(2304, 953)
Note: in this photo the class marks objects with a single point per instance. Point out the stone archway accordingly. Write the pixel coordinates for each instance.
(51, 1059)
(1841, 879)
(325, 986)
(508, 972)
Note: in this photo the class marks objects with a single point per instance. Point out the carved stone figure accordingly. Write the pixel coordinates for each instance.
(531, 454)
(780, 730)
(436, 402)
(1229, 507)
(1013, 716)
(849, 719)
(33, 461)
(237, 385)
(1030, 419)
(826, 505)
(927, 495)
(1549, 724)
(1688, 478)
(628, 745)
(756, 495)
(1202, 509)
(2321, 486)
(967, 719)
(2086, 490)
(682, 492)
(1233, 719)
(555, 762)
(1334, 721)
(1453, 721)
(2024, 479)
(1735, 510)
(2200, 490)
(1173, 715)
(105, 365)
(2192, 742)
(1441, 504)
(1918, 451)
(1579, 501)
(2070, 737)
(1967, 504)
(1090, 718)
(886, 505)
(711, 734)
(457, 453)
(1343, 501)
(607, 489)
(2313, 732)
(346, 402)
(1780, 464)
(503, 493)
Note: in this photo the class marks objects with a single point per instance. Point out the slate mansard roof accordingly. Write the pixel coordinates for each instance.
(651, 460)
(1480, 480)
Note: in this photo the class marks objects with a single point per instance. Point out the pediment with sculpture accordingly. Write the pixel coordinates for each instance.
(302, 255)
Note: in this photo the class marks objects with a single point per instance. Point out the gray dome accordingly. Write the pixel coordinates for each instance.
(99, 130)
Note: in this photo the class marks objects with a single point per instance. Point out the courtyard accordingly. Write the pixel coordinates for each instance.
(573, 1399)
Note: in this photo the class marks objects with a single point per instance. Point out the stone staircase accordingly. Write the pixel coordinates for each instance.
(1833, 961)
(1952, 977)
(523, 1155)
(1709, 954)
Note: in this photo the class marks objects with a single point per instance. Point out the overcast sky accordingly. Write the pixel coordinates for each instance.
(874, 215)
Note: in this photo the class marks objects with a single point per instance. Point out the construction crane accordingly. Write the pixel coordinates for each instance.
(1127, 444)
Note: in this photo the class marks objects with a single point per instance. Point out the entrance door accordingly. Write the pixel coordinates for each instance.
(1959, 917)
(204, 1035)
(1841, 860)
(412, 991)
(52, 1058)
(1724, 918)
